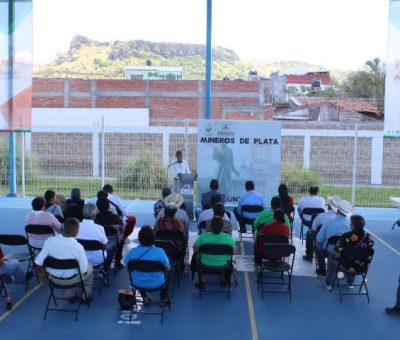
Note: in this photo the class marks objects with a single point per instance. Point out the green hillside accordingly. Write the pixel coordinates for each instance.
(91, 59)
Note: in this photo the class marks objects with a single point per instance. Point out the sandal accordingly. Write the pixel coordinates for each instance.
(146, 301)
(86, 300)
(74, 298)
(164, 302)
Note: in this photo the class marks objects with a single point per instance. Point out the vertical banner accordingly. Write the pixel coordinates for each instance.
(392, 84)
(15, 65)
(234, 151)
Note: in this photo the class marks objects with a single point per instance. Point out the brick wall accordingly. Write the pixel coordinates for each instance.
(164, 98)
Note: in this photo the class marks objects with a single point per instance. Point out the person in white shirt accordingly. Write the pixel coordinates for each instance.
(208, 214)
(88, 230)
(180, 166)
(115, 201)
(317, 224)
(63, 247)
(312, 201)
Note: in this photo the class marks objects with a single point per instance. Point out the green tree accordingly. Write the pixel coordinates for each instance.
(369, 82)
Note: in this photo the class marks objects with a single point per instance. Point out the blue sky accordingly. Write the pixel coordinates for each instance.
(336, 34)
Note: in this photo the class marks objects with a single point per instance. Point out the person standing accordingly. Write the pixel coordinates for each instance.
(395, 310)
(180, 166)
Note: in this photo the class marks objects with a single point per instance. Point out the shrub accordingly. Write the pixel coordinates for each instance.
(142, 173)
(31, 166)
(298, 179)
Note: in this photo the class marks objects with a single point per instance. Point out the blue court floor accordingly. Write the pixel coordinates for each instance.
(313, 313)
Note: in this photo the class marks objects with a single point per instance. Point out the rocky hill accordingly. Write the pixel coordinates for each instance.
(87, 58)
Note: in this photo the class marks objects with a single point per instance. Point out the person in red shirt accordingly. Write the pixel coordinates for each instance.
(277, 227)
(169, 222)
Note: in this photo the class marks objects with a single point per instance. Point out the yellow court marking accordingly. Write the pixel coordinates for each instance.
(249, 300)
(384, 243)
(20, 301)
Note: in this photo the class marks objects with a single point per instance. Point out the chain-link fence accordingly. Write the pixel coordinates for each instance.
(346, 159)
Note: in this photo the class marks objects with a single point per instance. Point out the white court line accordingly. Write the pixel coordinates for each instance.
(383, 242)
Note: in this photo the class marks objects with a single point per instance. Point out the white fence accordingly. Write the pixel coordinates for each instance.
(354, 161)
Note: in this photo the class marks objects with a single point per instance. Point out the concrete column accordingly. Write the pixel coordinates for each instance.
(306, 152)
(95, 152)
(261, 97)
(66, 93)
(376, 160)
(165, 148)
(147, 95)
(93, 94)
(28, 142)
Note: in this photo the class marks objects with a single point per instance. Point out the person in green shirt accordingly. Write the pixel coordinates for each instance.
(266, 216)
(216, 236)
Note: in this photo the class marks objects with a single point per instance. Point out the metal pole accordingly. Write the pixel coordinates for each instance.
(12, 179)
(103, 153)
(12, 169)
(23, 185)
(353, 183)
(208, 60)
(186, 140)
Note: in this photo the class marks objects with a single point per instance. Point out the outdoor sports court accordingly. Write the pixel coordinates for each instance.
(313, 312)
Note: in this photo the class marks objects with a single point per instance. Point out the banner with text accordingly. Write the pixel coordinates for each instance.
(15, 65)
(392, 85)
(234, 151)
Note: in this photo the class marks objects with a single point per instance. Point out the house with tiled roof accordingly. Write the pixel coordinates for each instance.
(329, 109)
(286, 83)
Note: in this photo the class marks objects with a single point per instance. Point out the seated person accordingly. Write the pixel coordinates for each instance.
(250, 198)
(169, 221)
(75, 205)
(102, 194)
(266, 216)
(89, 230)
(277, 227)
(180, 214)
(147, 251)
(216, 236)
(334, 227)
(287, 201)
(11, 270)
(208, 214)
(52, 207)
(206, 197)
(63, 247)
(312, 201)
(61, 201)
(115, 201)
(219, 210)
(160, 204)
(318, 222)
(106, 217)
(356, 238)
(39, 216)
